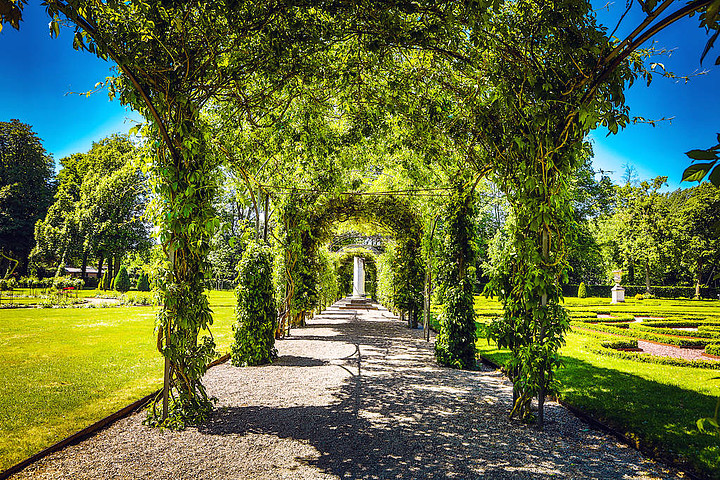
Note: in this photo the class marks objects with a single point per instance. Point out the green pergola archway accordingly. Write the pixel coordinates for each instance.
(308, 225)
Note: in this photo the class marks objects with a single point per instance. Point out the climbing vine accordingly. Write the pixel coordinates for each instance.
(255, 311)
(305, 225)
(455, 343)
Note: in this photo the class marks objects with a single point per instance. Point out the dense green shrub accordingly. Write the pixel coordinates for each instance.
(603, 291)
(639, 334)
(143, 283)
(61, 283)
(8, 284)
(582, 290)
(455, 342)
(255, 311)
(619, 344)
(713, 349)
(675, 331)
(122, 280)
(386, 286)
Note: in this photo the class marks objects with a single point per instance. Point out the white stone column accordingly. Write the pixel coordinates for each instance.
(359, 277)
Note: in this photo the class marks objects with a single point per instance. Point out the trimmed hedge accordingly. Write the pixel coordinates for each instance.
(603, 291)
(122, 280)
(648, 358)
(600, 348)
(713, 349)
(619, 344)
(639, 334)
(680, 322)
(143, 283)
(674, 331)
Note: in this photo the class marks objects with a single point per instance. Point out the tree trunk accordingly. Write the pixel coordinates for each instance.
(647, 276)
(543, 301)
(100, 267)
(83, 268)
(265, 217)
(698, 279)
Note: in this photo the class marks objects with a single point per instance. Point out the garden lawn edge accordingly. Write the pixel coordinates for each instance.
(599, 425)
(94, 428)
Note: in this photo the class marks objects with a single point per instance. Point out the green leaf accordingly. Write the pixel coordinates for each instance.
(54, 28)
(715, 176)
(695, 173)
(702, 155)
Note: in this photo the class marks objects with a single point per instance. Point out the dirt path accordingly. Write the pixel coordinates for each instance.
(353, 396)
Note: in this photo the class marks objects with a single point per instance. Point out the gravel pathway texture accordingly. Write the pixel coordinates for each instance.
(355, 395)
(672, 351)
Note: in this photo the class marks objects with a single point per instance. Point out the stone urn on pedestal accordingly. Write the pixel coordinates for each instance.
(618, 292)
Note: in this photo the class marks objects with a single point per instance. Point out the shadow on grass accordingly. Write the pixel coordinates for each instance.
(660, 418)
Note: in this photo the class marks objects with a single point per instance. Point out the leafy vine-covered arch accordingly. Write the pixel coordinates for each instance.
(307, 225)
(514, 87)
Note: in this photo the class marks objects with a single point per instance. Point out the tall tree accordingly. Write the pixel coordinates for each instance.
(26, 190)
(98, 208)
(699, 230)
(646, 227)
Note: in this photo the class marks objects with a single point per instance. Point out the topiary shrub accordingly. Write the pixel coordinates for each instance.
(143, 283)
(582, 290)
(122, 280)
(255, 311)
(713, 349)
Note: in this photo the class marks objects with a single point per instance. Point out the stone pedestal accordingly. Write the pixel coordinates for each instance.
(359, 277)
(618, 294)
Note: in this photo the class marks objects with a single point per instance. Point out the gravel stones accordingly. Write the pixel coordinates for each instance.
(353, 396)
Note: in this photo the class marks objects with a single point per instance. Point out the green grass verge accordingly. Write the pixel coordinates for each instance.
(64, 369)
(655, 405)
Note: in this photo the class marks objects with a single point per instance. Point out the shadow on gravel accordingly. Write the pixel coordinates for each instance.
(401, 416)
(295, 361)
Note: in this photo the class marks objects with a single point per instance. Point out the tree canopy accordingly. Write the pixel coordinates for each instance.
(26, 190)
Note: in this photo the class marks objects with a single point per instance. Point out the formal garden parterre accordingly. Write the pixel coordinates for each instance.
(654, 400)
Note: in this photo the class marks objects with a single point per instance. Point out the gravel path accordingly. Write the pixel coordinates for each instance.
(353, 397)
(670, 351)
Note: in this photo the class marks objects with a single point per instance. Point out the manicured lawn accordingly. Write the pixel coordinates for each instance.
(63, 369)
(657, 405)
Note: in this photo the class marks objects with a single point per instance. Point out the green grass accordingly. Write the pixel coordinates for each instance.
(64, 369)
(656, 405)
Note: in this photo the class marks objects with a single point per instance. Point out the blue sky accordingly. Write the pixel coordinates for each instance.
(37, 77)
(38, 74)
(695, 106)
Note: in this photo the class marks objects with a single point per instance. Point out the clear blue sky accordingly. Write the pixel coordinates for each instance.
(37, 77)
(38, 74)
(695, 106)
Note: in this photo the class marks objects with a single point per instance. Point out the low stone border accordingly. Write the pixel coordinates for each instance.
(94, 428)
(710, 355)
